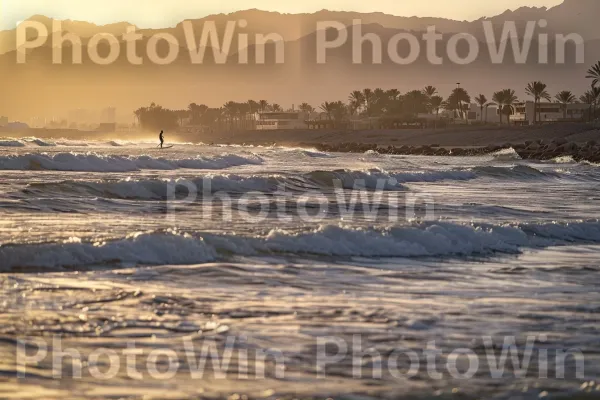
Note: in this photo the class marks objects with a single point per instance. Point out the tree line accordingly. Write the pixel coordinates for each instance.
(373, 104)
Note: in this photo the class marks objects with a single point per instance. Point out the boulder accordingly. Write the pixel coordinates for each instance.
(569, 147)
(552, 146)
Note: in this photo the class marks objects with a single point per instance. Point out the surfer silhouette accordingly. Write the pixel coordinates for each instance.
(161, 137)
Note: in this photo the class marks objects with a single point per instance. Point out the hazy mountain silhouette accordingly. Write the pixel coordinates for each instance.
(41, 88)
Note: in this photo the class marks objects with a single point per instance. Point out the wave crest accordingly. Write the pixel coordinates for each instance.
(91, 162)
(432, 239)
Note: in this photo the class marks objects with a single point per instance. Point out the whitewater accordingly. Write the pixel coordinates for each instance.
(113, 243)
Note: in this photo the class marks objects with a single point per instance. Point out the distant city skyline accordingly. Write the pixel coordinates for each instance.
(161, 13)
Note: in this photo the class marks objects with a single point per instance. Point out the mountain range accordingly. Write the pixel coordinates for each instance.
(40, 88)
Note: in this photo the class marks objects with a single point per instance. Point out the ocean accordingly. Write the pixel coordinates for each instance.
(238, 272)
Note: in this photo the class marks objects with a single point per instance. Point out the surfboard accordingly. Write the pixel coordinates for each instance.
(166, 147)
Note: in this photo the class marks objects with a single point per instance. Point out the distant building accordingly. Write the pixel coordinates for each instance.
(547, 112)
(3, 121)
(16, 126)
(80, 116)
(281, 120)
(37, 122)
(107, 127)
(108, 115)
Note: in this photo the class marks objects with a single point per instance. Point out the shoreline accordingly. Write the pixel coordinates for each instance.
(541, 142)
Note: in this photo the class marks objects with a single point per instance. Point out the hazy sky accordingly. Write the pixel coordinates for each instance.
(163, 13)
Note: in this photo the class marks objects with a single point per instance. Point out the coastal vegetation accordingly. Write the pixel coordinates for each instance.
(379, 107)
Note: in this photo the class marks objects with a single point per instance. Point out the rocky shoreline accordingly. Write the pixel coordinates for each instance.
(530, 150)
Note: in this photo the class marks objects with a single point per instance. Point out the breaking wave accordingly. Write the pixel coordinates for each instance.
(418, 240)
(39, 142)
(563, 160)
(517, 171)
(378, 179)
(11, 143)
(90, 162)
(157, 189)
(291, 151)
(506, 155)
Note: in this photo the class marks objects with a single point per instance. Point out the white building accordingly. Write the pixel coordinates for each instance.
(489, 114)
(281, 120)
(548, 112)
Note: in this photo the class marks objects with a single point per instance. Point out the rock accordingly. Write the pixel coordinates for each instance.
(552, 146)
(426, 151)
(569, 148)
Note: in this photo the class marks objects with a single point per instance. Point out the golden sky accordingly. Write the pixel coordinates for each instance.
(164, 13)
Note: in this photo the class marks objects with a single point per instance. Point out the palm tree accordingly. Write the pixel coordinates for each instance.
(500, 99)
(276, 108)
(416, 102)
(537, 90)
(481, 100)
(393, 94)
(565, 97)
(339, 110)
(596, 95)
(356, 100)
(196, 112)
(594, 73)
(263, 105)
(510, 99)
(430, 91)
(231, 109)
(368, 96)
(436, 102)
(139, 113)
(456, 100)
(328, 108)
(181, 115)
(253, 106)
(588, 98)
(306, 108)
